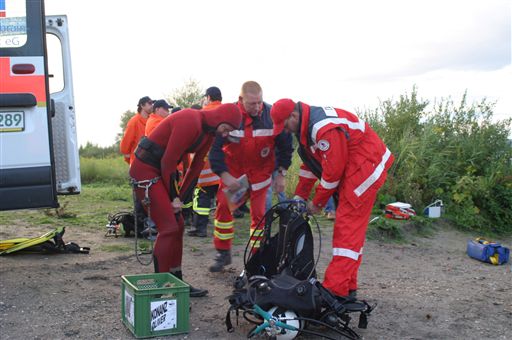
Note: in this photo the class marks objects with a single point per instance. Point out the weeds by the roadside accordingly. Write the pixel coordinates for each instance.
(384, 229)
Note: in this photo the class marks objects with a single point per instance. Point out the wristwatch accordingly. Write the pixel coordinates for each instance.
(282, 172)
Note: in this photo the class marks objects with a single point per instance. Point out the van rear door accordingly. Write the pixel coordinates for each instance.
(27, 156)
(65, 144)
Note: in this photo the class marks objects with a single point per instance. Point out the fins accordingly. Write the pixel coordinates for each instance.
(31, 242)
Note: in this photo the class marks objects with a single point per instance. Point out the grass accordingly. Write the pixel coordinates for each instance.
(112, 170)
(88, 210)
(117, 248)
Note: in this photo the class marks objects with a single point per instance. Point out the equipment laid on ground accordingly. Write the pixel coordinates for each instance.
(488, 251)
(49, 243)
(434, 209)
(126, 219)
(155, 304)
(399, 211)
(278, 290)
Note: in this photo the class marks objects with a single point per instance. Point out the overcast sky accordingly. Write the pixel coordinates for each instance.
(345, 54)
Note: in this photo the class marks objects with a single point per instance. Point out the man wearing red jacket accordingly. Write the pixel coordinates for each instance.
(157, 156)
(250, 150)
(351, 162)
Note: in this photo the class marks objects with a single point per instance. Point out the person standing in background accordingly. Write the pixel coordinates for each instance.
(135, 129)
(208, 182)
(160, 111)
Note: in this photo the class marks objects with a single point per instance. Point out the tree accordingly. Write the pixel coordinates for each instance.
(125, 117)
(187, 95)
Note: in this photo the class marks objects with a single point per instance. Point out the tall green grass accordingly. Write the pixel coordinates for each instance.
(112, 170)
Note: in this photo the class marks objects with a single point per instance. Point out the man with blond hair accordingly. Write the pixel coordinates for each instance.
(252, 150)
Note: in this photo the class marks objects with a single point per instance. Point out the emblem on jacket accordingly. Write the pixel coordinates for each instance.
(264, 152)
(323, 145)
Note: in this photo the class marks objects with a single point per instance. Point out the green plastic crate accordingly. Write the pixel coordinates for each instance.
(155, 304)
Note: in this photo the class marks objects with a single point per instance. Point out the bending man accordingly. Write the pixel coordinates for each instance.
(351, 162)
(157, 156)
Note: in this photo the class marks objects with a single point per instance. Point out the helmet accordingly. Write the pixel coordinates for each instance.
(289, 317)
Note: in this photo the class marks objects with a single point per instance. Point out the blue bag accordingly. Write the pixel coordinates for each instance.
(490, 252)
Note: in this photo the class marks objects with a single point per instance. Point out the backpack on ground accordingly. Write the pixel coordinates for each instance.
(278, 290)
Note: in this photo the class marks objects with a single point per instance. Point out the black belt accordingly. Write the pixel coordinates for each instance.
(149, 152)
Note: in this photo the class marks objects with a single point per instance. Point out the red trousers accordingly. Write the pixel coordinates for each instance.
(168, 248)
(224, 231)
(347, 243)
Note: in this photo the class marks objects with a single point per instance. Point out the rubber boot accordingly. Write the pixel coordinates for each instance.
(222, 258)
(194, 292)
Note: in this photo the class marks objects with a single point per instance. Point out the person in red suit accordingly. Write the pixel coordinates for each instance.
(208, 182)
(351, 162)
(156, 159)
(255, 150)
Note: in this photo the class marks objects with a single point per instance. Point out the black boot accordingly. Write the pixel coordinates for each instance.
(194, 292)
(222, 258)
(243, 208)
(196, 233)
(238, 213)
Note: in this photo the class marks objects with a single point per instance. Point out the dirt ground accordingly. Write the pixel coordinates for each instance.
(427, 288)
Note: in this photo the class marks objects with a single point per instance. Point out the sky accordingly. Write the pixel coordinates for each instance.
(346, 54)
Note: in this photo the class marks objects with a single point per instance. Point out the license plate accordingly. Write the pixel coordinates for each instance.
(12, 121)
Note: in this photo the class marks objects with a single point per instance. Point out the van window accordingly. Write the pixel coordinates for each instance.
(55, 65)
(13, 23)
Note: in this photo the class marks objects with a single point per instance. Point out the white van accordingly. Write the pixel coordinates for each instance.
(38, 144)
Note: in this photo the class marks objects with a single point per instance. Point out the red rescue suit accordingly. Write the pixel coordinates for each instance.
(353, 162)
(250, 150)
(187, 131)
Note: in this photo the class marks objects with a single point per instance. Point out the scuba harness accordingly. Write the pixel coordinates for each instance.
(151, 153)
(278, 290)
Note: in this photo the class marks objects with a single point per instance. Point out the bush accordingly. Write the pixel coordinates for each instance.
(95, 151)
(457, 153)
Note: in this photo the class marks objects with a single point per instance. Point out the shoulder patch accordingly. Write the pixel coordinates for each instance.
(323, 145)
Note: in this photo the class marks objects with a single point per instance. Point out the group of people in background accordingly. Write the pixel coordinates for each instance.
(195, 155)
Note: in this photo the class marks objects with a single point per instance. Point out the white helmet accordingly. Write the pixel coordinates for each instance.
(290, 318)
